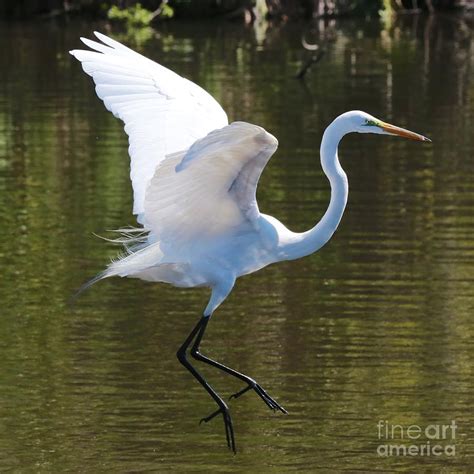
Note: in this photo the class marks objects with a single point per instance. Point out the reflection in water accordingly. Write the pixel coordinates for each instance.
(377, 325)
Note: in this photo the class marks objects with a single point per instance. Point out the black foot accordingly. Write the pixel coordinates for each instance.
(270, 402)
(229, 428)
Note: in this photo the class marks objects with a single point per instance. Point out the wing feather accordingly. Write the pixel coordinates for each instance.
(211, 188)
(163, 112)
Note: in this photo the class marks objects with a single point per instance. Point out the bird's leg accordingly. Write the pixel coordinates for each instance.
(251, 383)
(223, 408)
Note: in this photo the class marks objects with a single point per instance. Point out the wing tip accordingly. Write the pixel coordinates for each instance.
(259, 133)
(111, 43)
(89, 43)
(271, 140)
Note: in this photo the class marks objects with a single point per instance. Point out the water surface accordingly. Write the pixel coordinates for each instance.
(376, 326)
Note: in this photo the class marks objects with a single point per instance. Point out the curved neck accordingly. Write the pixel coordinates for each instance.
(312, 240)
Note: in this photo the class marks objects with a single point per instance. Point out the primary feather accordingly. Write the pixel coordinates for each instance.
(163, 112)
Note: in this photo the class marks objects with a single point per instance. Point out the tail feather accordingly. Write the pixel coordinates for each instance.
(137, 258)
(87, 285)
(132, 238)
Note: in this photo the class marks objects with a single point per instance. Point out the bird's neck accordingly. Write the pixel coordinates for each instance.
(308, 242)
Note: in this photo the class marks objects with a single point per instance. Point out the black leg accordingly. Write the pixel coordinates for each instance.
(223, 408)
(251, 384)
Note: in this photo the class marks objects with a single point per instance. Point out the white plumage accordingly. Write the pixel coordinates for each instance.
(194, 177)
(163, 112)
(194, 180)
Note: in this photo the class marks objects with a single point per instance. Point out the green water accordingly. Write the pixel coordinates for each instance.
(378, 325)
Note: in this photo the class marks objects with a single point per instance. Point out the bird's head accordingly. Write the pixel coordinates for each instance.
(362, 122)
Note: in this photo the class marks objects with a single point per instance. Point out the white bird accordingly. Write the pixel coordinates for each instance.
(194, 180)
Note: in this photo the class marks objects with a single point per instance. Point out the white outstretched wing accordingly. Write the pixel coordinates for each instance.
(163, 112)
(210, 189)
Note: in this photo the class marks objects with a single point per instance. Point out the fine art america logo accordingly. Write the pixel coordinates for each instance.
(416, 440)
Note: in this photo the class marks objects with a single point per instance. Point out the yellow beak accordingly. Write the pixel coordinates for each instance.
(393, 130)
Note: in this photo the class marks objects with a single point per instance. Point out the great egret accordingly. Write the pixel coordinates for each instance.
(194, 180)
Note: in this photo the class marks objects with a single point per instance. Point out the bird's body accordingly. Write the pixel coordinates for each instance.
(194, 178)
(213, 247)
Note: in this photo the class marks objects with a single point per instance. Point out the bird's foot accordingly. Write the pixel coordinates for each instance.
(229, 428)
(270, 402)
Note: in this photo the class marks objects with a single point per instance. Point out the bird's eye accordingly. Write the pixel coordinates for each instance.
(372, 123)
